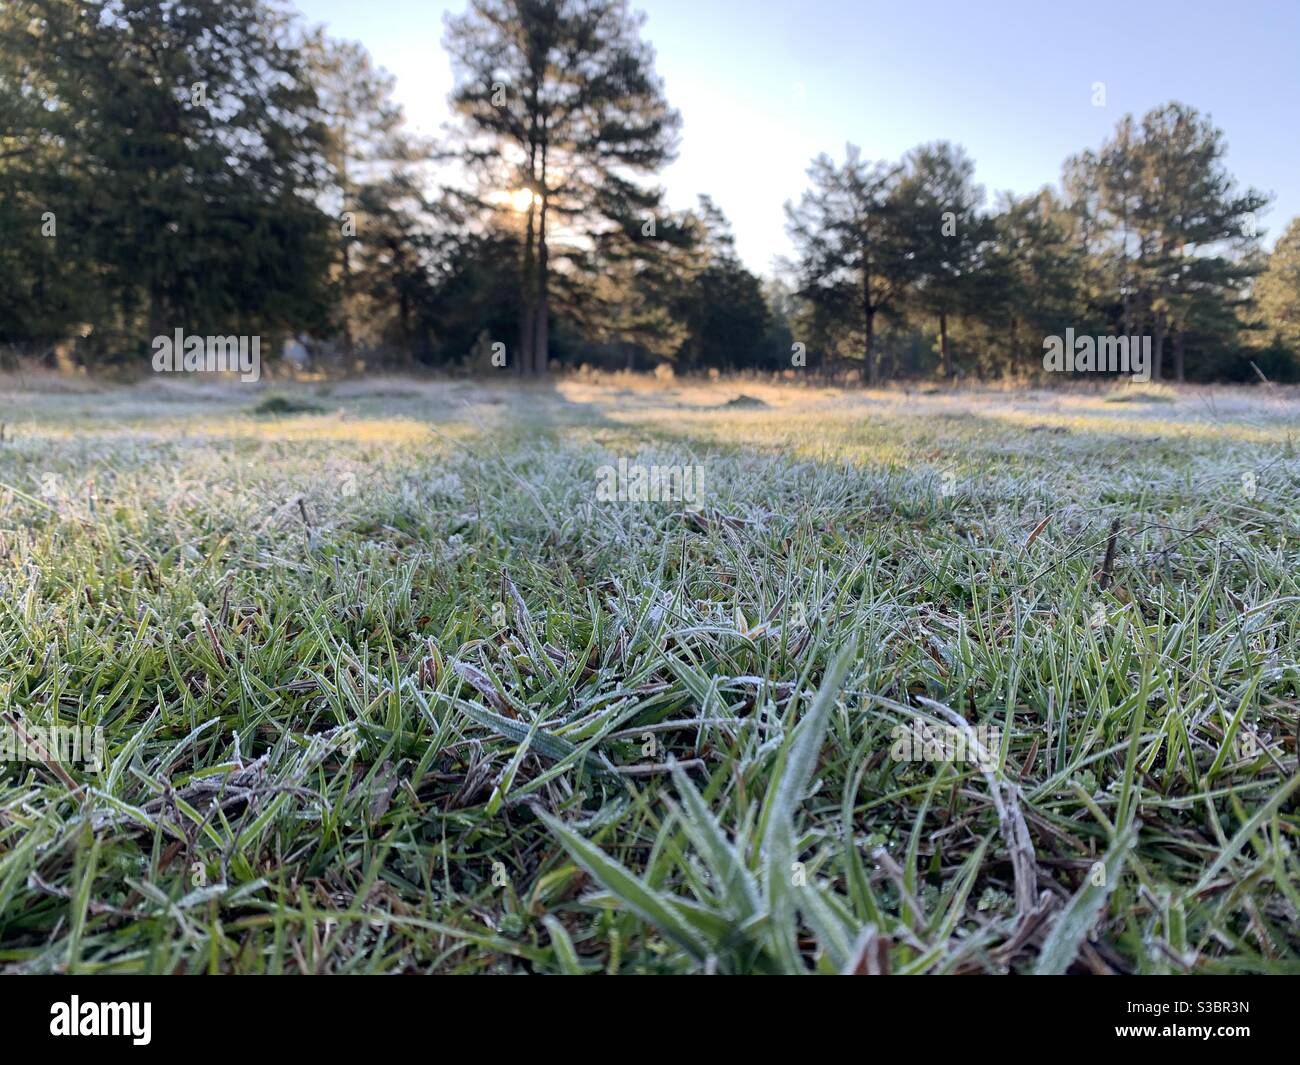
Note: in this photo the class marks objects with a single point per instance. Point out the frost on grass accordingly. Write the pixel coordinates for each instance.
(385, 685)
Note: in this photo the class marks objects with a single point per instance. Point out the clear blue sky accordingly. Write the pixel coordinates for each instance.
(764, 85)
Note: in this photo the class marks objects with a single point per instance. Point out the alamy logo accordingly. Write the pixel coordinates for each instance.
(67, 744)
(102, 1018)
(198, 354)
(924, 742)
(637, 483)
(1098, 355)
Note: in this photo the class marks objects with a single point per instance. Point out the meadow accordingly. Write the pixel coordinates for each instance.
(929, 681)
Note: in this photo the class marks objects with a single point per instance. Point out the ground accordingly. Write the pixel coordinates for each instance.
(919, 681)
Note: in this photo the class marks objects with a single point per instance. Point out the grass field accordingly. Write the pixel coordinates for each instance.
(385, 686)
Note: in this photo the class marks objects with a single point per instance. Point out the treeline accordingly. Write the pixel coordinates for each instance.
(215, 166)
(1147, 237)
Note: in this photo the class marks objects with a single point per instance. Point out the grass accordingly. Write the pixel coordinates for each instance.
(386, 688)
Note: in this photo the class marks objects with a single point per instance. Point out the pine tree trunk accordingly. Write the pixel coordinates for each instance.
(873, 368)
(158, 325)
(541, 334)
(528, 280)
(349, 344)
(524, 358)
(1178, 356)
(349, 199)
(869, 320)
(541, 339)
(943, 345)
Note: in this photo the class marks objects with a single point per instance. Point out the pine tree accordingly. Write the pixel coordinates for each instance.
(1277, 292)
(1201, 232)
(560, 101)
(368, 158)
(939, 202)
(723, 305)
(1032, 282)
(853, 260)
(186, 159)
(1183, 235)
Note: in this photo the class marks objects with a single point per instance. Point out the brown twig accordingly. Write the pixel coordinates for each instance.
(1108, 561)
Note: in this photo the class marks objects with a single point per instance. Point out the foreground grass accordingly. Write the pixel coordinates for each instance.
(384, 687)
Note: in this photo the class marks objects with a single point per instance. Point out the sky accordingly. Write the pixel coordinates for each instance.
(763, 86)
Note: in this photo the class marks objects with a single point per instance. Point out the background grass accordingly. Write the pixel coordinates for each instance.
(385, 688)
